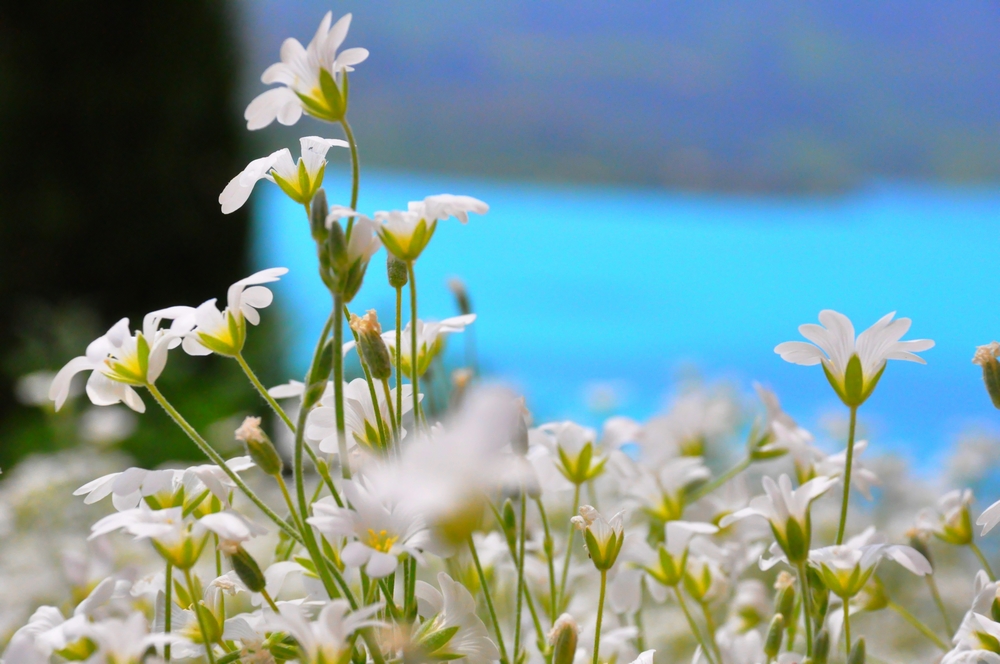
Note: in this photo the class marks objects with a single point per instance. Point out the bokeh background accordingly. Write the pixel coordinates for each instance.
(674, 188)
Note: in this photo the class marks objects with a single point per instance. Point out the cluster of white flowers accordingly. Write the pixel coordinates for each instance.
(388, 534)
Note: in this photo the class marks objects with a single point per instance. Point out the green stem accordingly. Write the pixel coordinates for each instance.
(710, 628)
(600, 616)
(219, 461)
(806, 607)
(694, 626)
(919, 626)
(278, 410)
(338, 384)
(489, 599)
(520, 574)
(640, 637)
(392, 414)
(288, 501)
(196, 605)
(270, 601)
(390, 603)
(982, 559)
(847, 627)
(218, 573)
(709, 487)
(399, 360)
(414, 379)
(569, 549)
(168, 592)
(355, 173)
(550, 559)
(932, 584)
(847, 475)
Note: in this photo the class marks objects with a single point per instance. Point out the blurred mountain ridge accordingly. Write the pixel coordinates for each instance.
(769, 96)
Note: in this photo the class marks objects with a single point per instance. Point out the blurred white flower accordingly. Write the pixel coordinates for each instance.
(310, 78)
(862, 478)
(105, 426)
(430, 340)
(697, 417)
(208, 330)
(846, 568)
(950, 519)
(326, 639)
(835, 347)
(300, 180)
(359, 416)
(405, 233)
(382, 531)
(33, 389)
(662, 494)
(453, 608)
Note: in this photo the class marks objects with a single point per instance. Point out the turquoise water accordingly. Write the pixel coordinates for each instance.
(584, 286)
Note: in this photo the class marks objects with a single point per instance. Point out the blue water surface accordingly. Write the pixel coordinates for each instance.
(581, 287)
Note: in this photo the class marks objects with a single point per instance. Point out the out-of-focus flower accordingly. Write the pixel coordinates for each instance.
(845, 569)
(105, 426)
(781, 433)
(300, 180)
(787, 510)
(33, 389)
(359, 416)
(120, 360)
(577, 456)
(430, 341)
(989, 518)
(862, 478)
(603, 538)
(663, 494)
(326, 639)
(224, 332)
(950, 520)
(853, 366)
(696, 417)
(452, 610)
(667, 564)
(382, 532)
(310, 77)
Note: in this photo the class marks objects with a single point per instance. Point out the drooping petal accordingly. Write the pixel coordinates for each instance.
(59, 390)
(799, 352)
(280, 104)
(240, 187)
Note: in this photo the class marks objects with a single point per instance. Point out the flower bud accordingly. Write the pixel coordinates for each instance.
(319, 374)
(509, 522)
(918, 540)
(317, 216)
(371, 346)
(396, 270)
(457, 288)
(772, 644)
(259, 446)
(563, 639)
(986, 357)
(785, 601)
(336, 245)
(821, 647)
(602, 538)
(857, 652)
(248, 570)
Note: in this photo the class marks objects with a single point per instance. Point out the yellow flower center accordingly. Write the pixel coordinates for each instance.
(381, 540)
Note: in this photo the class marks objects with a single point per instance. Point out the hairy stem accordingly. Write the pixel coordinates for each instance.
(338, 384)
(709, 655)
(399, 360)
(355, 172)
(982, 560)
(520, 573)
(918, 625)
(569, 549)
(600, 616)
(168, 592)
(219, 461)
(550, 559)
(413, 345)
(932, 584)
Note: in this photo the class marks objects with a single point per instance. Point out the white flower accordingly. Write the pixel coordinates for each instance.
(575, 450)
(119, 360)
(130, 487)
(326, 639)
(124, 641)
(603, 538)
(430, 340)
(787, 510)
(405, 233)
(846, 568)
(645, 657)
(300, 180)
(454, 607)
(383, 530)
(835, 348)
(950, 521)
(310, 78)
(697, 417)
(359, 416)
(862, 478)
(209, 330)
(662, 494)
(783, 434)
(989, 518)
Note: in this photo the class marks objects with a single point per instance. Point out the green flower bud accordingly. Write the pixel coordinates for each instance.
(371, 347)
(248, 570)
(509, 522)
(986, 357)
(785, 601)
(772, 644)
(857, 652)
(396, 270)
(317, 217)
(319, 374)
(259, 446)
(563, 639)
(336, 245)
(821, 647)
(603, 538)
(78, 650)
